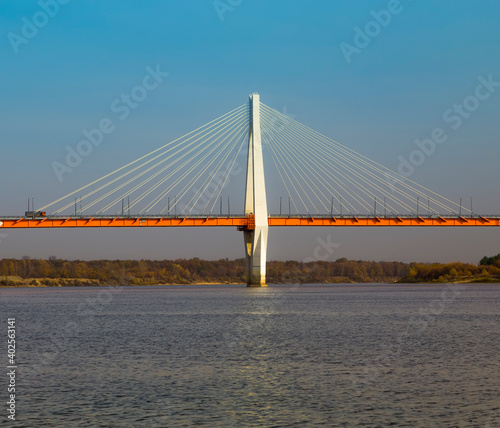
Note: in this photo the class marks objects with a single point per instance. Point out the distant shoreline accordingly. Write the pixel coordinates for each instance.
(85, 282)
(55, 272)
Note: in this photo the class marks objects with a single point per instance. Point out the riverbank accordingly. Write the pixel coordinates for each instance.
(451, 280)
(74, 273)
(16, 281)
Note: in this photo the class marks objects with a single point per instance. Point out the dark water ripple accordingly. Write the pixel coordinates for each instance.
(285, 356)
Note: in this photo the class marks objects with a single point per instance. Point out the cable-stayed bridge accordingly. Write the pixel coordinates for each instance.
(180, 185)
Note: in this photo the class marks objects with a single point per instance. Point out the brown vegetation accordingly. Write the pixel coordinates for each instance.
(452, 272)
(57, 272)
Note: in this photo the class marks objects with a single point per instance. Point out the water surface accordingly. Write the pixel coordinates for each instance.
(340, 355)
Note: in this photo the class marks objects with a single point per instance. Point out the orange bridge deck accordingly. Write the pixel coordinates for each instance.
(244, 222)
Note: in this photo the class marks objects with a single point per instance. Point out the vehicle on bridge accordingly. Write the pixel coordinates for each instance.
(34, 214)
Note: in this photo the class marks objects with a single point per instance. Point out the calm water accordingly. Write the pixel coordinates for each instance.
(357, 355)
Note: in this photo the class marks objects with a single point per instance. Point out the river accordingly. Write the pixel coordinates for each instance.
(368, 355)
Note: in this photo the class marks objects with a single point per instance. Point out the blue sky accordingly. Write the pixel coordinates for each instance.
(393, 91)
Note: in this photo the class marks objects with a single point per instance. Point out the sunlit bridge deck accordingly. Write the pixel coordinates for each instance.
(246, 222)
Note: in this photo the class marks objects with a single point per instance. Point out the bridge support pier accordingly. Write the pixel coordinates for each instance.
(255, 253)
(255, 202)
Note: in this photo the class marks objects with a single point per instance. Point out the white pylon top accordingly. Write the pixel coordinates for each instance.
(255, 200)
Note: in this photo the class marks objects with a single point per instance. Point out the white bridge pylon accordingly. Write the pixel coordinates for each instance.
(255, 201)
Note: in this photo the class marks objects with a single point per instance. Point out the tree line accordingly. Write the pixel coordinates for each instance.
(438, 272)
(196, 271)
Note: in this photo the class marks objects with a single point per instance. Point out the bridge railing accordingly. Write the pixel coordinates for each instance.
(304, 216)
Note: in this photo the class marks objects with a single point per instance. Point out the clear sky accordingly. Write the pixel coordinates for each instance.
(374, 75)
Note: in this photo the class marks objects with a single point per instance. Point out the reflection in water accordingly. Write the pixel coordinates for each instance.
(369, 355)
